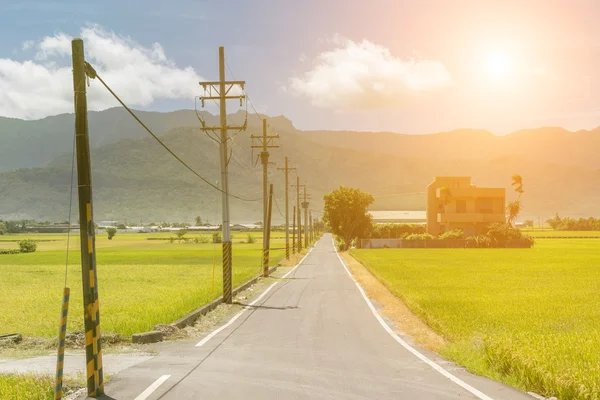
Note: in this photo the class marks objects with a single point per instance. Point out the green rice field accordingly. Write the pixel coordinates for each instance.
(141, 282)
(528, 317)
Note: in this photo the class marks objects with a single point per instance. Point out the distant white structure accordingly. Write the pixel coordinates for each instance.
(399, 217)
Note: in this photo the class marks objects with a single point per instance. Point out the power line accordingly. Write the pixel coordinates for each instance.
(91, 72)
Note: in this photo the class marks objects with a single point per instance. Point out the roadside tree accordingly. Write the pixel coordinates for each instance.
(346, 215)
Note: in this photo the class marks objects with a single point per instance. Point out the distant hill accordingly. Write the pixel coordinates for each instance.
(134, 178)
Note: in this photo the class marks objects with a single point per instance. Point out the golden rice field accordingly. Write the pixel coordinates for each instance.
(142, 282)
(529, 317)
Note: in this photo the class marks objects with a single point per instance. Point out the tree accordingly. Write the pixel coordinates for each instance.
(346, 215)
(198, 221)
(180, 234)
(2, 228)
(111, 232)
(121, 226)
(513, 209)
(528, 223)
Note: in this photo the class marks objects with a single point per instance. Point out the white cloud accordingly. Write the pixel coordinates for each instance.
(363, 75)
(44, 86)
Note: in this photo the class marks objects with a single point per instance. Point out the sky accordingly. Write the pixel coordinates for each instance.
(419, 66)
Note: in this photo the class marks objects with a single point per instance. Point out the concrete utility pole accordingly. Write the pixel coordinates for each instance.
(286, 171)
(298, 186)
(268, 237)
(294, 232)
(312, 236)
(222, 88)
(305, 206)
(93, 345)
(265, 142)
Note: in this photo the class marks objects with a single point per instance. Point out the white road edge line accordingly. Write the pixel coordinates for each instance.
(144, 395)
(236, 316)
(407, 346)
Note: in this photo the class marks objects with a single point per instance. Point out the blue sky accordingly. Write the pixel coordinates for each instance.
(404, 66)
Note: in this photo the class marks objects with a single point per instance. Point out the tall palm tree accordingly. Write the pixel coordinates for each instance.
(514, 207)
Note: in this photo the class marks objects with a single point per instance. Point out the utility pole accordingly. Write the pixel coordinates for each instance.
(268, 237)
(294, 232)
(298, 186)
(222, 88)
(265, 143)
(286, 171)
(93, 347)
(312, 236)
(305, 206)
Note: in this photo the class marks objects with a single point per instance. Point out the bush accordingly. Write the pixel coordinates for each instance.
(9, 251)
(216, 237)
(111, 232)
(529, 239)
(480, 242)
(419, 236)
(499, 233)
(251, 239)
(453, 234)
(27, 246)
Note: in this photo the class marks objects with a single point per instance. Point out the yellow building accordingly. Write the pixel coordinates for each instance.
(453, 202)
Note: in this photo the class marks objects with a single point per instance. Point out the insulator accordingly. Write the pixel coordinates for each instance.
(202, 103)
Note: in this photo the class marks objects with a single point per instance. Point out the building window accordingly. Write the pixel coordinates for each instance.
(461, 206)
(485, 206)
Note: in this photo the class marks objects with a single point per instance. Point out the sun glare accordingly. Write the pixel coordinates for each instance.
(498, 65)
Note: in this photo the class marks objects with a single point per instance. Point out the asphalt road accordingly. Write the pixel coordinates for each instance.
(311, 336)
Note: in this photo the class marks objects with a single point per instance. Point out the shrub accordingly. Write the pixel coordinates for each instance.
(499, 233)
(419, 236)
(27, 246)
(453, 234)
(216, 237)
(171, 239)
(529, 239)
(9, 251)
(251, 239)
(480, 242)
(111, 232)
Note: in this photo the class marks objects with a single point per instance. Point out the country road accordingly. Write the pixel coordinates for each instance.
(312, 335)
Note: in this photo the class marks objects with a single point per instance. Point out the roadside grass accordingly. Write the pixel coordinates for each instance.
(142, 283)
(35, 386)
(530, 317)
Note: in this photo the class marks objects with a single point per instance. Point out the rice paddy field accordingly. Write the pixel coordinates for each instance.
(143, 279)
(528, 317)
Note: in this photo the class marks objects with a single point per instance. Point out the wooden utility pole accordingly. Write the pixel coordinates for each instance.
(222, 88)
(265, 143)
(286, 171)
(268, 236)
(294, 232)
(93, 347)
(305, 206)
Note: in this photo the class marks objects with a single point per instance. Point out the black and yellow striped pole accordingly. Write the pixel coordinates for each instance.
(93, 348)
(62, 334)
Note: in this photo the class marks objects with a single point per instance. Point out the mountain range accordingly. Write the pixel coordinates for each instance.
(135, 179)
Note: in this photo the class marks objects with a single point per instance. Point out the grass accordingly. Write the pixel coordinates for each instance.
(26, 387)
(142, 282)
(530, 317)
(34, 386)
